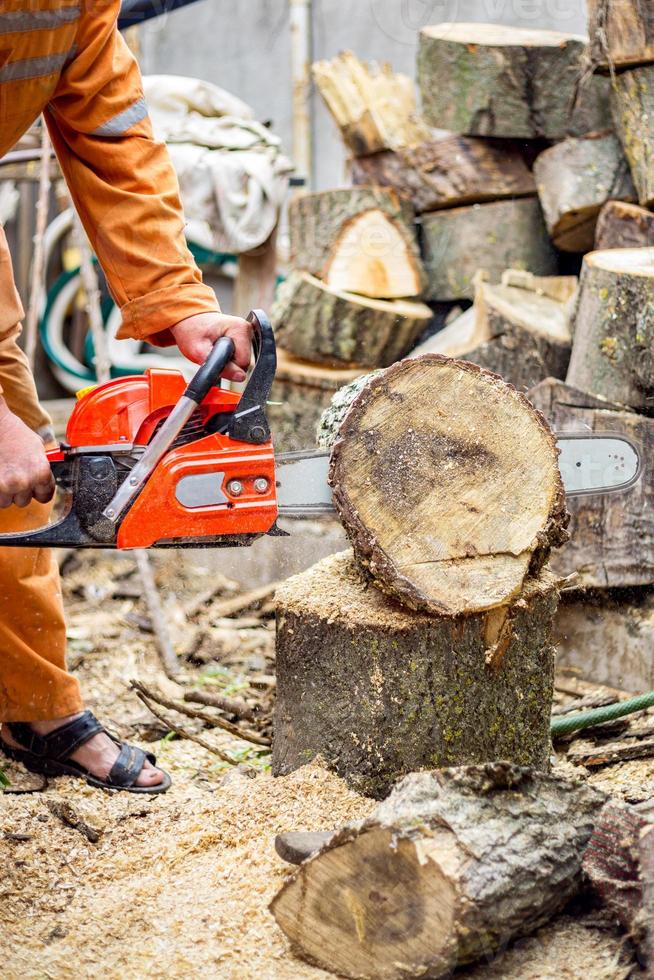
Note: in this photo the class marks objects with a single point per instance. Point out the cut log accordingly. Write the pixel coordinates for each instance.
(374, 257)
(623, 225)
(449, 171)
(493, 237)
(619, 861)
(373, 108)
(621, 32)
(608, 638)
(514, 329)
(300, 394)
(612, 535)
(379, 691)
(575, 178)
(632, 102)
(490, 80)
(447, 483)
(316, 221)
(314, 322)
(452, 866)
(613, 352)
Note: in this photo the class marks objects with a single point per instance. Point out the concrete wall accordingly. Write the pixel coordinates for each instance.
(243, 46)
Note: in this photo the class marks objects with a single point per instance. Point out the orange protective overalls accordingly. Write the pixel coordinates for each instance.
(66, 58)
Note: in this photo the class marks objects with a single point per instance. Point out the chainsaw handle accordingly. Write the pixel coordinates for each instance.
(208, 374)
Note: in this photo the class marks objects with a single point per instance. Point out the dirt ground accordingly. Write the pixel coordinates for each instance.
(178, 886)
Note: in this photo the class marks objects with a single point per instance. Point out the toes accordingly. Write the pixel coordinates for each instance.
(149, 776)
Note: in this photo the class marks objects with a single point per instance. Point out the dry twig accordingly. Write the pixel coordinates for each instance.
(233, 706)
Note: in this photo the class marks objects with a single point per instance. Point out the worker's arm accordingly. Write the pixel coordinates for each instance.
(126, 192)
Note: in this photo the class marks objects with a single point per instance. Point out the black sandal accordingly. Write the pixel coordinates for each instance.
(50, 754)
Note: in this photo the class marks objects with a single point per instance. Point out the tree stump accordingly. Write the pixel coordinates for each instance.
(490, 80)
(373, 108)
(374, 257)
(447, 870)
(449, 171)
(319, 324)
(316, 220)
(611, 535)
(503, 235)
(622, 225)
(633, 114)
(613, 351)
(608, 637)
(378, 690)
(447, 483)
(300, 394)
(621, 33)
(575, 178)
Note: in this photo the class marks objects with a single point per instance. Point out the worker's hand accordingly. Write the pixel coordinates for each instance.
(24, 468)
(196, 335)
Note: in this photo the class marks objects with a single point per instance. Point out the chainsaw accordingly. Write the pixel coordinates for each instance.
(151, 462)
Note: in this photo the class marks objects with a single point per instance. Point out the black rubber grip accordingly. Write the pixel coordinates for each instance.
(209, 373)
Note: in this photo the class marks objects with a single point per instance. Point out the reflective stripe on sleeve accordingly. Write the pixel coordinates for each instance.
(18, 21)
(34, 67)
(124, 120)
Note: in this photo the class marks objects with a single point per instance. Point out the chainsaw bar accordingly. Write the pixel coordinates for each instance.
(589, 464)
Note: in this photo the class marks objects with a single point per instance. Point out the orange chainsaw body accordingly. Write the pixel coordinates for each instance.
(126, 412)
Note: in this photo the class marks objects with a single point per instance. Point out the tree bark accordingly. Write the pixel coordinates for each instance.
(450, 868)
(379, 691)
(633, 114)
(575, 178)
(613, 351)
(619, 862)
(608, 637)
(373, 108)
(315, 221)
(611, 535)
(313, 322)
(447, 483)
(492, 237)
(488, 80)
(621, 33)
(374, 257)
(300, 394)
(622, 225)
(448, 172)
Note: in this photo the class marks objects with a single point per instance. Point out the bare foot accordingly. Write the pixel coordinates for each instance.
(97, 755)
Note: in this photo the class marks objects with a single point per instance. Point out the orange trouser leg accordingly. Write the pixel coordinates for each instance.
(34, 683)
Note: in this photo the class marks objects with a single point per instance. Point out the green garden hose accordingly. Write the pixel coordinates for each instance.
(598, 716)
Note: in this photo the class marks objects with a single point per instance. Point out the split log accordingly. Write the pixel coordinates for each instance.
(300, 394)
(379, 691)
(491, 80)
(621, 32)
(316, 221)
(493, 237)
(613, 351)
(632, 99)
(608, 637)
(611, 535)
(449, 171)
(447, 483)
(622, 225)
(451, 867)
(373, 108)
(315, 322)
(373, 256)
(575, 178)
(619, 862)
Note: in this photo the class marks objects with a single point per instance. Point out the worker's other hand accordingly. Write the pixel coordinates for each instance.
(196, 335)
(24, 468)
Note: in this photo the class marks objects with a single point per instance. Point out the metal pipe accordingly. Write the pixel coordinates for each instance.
(300, 19)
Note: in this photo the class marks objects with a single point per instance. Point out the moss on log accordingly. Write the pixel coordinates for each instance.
(633, 114)
(490, 80)
(378, 690)
(491, 237)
